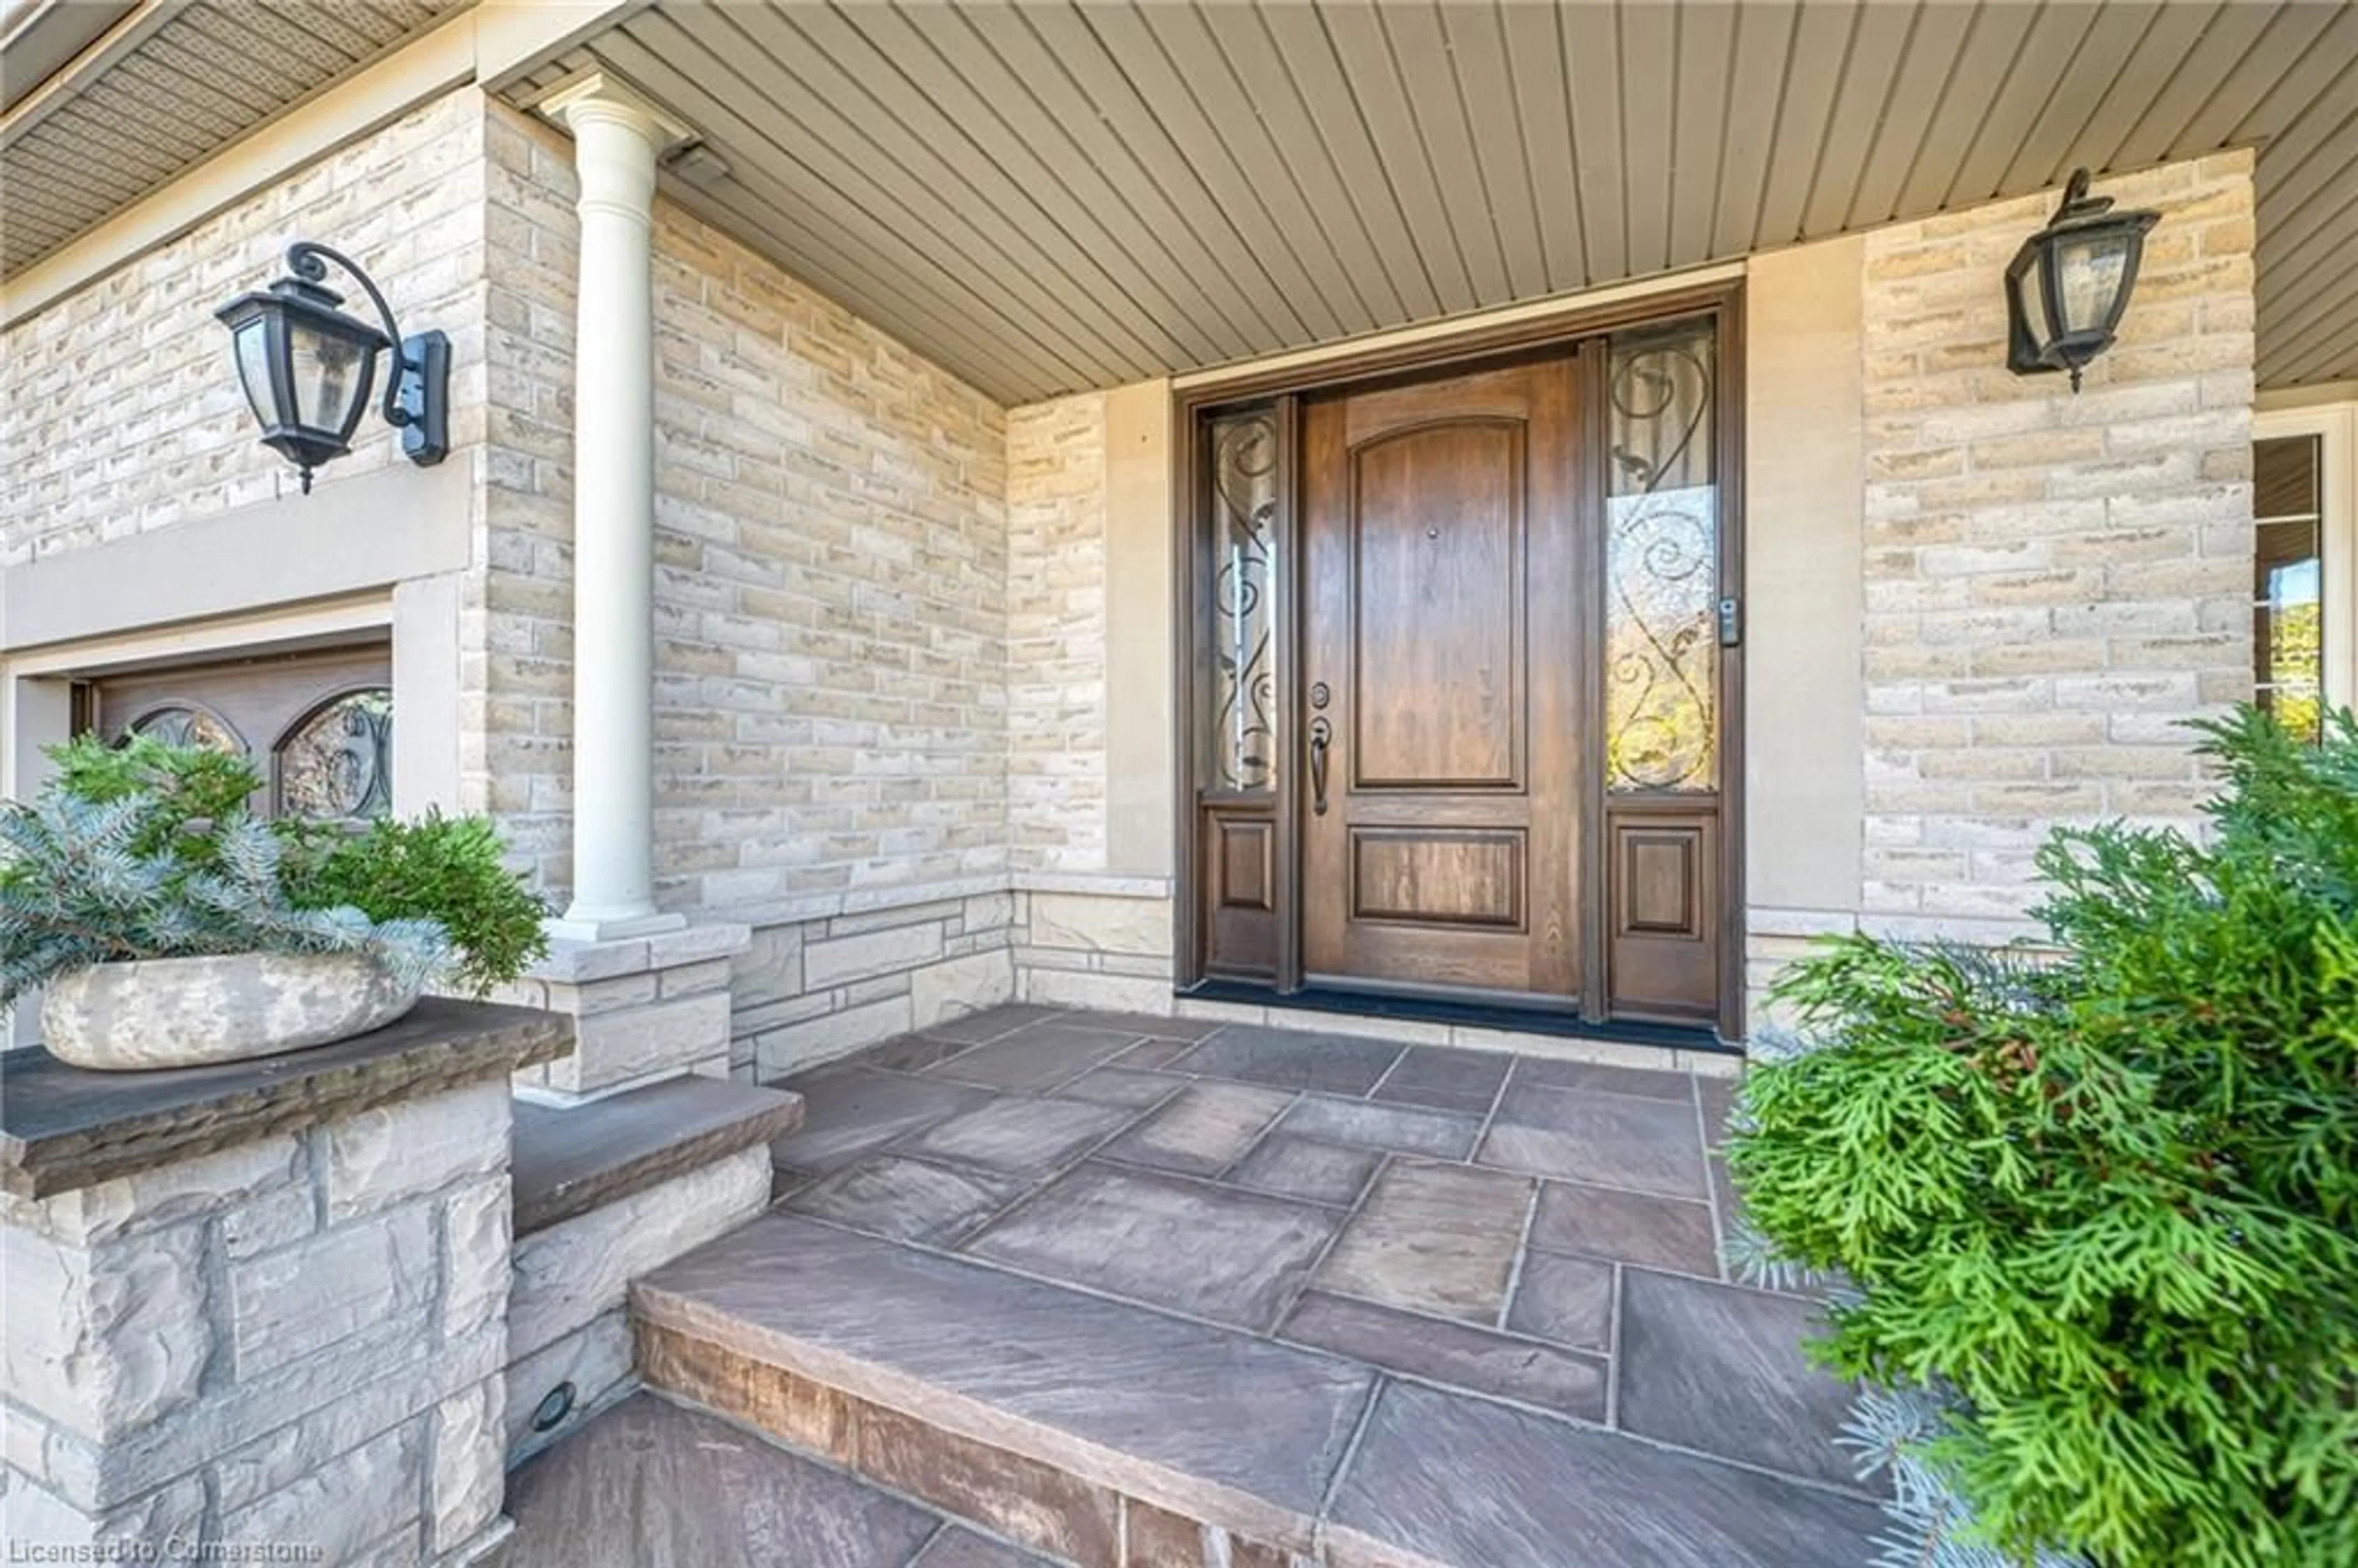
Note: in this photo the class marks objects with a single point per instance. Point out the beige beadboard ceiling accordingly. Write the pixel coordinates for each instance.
(1049, 196)
(1054, 196)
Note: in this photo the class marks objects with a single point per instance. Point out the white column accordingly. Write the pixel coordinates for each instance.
(617, 136)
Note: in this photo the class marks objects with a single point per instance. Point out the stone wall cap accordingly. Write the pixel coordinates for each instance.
(905, 895)
(63, 1127)
(579, 963)
(699, 943)
(1104, 884)
(865, 901)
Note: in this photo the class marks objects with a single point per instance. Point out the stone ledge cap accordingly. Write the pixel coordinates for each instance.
(569, 1160)
(885, 896)
(63, 1127)
(579, 963)
(1101, 885)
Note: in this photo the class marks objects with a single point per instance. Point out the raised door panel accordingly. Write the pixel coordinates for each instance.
(1420, 877)
(1239, 879)
(1661, 882)
(1437, 594)
(1662, 926)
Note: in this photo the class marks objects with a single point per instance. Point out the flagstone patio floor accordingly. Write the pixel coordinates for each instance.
(1354, 1300)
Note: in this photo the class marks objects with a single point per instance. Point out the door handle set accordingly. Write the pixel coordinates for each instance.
(1321, 736)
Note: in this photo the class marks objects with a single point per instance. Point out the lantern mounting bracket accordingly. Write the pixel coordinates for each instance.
(417, 401)
(2076, 203)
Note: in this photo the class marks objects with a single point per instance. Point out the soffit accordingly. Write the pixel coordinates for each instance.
(1049, 197)
(38, 38)
(181, 81)
(1053, 196)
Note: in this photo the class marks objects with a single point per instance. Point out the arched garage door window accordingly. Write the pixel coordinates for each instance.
(317, 726)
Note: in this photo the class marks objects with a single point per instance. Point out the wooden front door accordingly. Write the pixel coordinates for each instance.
(1443, 730)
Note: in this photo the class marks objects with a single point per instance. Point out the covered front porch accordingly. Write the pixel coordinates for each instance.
(1235, 641)
(933, 499)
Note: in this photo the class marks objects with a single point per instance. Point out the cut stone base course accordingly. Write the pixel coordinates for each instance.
(594, 1358)
(844, 977)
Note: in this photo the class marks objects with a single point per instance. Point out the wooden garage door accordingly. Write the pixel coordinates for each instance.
(318, 726)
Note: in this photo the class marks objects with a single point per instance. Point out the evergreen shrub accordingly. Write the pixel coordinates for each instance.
(149, 850)
(2094, 1207)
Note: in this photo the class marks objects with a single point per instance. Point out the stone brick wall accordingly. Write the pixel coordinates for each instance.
(1056, 635)
(1094, 942)
(298, 1341)
(2053, 582)
(120, 408)
(856, 971)
(516, 664)
(831, 571)
(567, 1316)
(882, 609)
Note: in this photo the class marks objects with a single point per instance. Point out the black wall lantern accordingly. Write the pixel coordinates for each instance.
(2066, 288)
(307, 367)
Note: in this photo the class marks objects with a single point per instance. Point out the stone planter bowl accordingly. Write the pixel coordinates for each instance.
(190, 1012)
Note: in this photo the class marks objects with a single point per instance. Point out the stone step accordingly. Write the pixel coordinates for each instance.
(606, 1190)
(648, 1482)
(568, 1159)
(1108, 1434)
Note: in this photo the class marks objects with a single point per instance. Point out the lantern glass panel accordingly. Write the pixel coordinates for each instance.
(251, 343)
(2090, 269)
(2037, 310)
(330, 377)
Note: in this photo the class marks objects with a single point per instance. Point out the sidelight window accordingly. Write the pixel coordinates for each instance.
(2289, 606)
(1661, 561)
(1246, 465)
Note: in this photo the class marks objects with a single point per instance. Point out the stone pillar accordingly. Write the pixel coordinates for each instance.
(617, 136)
(648, 992)
(266, 1321)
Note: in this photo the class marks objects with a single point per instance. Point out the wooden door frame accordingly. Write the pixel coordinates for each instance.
(1283, 386)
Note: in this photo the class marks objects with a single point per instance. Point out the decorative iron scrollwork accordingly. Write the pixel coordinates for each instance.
(336, 765)
(183, 724)
(1245, 460)
(1661, 565)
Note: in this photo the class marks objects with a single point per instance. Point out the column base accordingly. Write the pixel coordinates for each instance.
(579, 925)
(645, 1007)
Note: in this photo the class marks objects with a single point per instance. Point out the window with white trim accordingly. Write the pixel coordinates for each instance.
(2304, 472)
